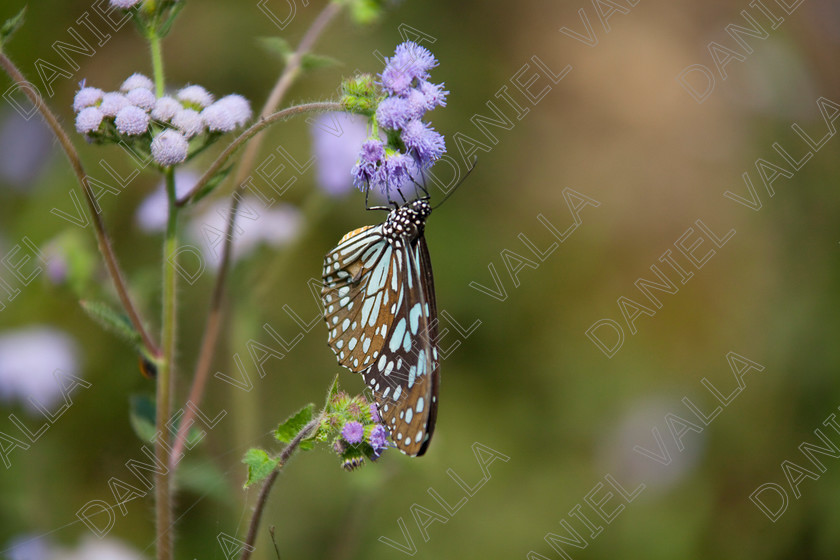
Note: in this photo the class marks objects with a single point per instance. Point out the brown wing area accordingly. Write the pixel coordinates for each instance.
(405, 377)
(357, 295)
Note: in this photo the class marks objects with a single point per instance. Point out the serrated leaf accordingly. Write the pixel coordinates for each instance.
(142, 416)
(312, 61)
(287, 431)
(10, 26)
(112, 321)
(276, 46)
(259, 464)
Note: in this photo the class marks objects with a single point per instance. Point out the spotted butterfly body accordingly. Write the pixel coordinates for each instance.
(381, 315)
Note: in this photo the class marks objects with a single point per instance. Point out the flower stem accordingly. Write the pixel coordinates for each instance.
(157, 62)
(166, 378)
(102, 239)
(268, 114)
(262, 499)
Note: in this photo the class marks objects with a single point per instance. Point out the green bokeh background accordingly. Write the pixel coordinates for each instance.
(527, 383)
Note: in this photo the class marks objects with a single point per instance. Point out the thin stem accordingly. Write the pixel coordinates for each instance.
(101, 233)
(157, 63)
(262, 499)
(214, 317)
(165, 379)
(254, 130)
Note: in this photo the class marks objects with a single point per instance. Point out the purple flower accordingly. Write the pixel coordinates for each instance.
(394, 112)
(336, 140)
(434, 93)
(410, 62)
(169, 148)
(132, 120)
(136, 80)
(111, 104)
(237, 106)
(142, 97)
(399, 169)
(427, 144)
(124, 4)
(87, 97)
(353, 432)
(374, 413)
(165, 108)
(189, 122)
(195, 95)
(378, 438)
(366, 170)
(88, 120)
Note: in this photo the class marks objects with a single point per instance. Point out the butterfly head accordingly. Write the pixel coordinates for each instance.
(407, 221)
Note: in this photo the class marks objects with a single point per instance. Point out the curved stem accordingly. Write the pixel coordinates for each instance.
(102, 238)
(214, 317)
(262, 499)
(166, 378)
(254, 130)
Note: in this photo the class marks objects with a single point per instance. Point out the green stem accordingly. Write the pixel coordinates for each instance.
(157, 63)
(166, 377)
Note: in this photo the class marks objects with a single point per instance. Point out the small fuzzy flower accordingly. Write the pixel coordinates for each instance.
(374, 413)
(169, 148)
(87, 97)
(410, 62)
(336, 140)
(434, 93)
(124, 4)
(137, 80)
(195, 95)
(394, 112)
(132, 121)
(112, 102)
(142, 97)
(165, 108)
(395, 80)
(189, 122)
(353, 432)
(366, 170)
(88, 120)
(354, 409)
(427, 144)
(218, 118)
(398, 170)
(237, 106)
(378, 438)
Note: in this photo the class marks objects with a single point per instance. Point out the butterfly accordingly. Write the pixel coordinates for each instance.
(379, 305)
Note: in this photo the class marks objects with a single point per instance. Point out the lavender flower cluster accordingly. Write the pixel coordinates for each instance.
(167, 122)
(354, 426)
(411, 145)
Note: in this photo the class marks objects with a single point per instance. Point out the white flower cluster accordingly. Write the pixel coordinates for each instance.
(134, 111)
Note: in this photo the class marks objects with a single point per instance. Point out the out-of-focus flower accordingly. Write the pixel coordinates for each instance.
(195, 95)
(28, 547)
(227, 113)
(94, 549)
(137, 80)
(28, 359)
(25, 147)
(153, 212)
(132, 120)
(189, 122)
(337, 139)
(169, 148)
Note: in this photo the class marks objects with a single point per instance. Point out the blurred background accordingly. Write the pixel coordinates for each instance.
(555, 418)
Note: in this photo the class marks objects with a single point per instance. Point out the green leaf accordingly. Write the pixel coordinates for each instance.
(260, 465)
(314, 61)
(113, 321)
(365, 11)
(203, 478)
(211, 185)
(143, 416)
(287, 431)
(276, 46)
(175, 9)
(10, 26)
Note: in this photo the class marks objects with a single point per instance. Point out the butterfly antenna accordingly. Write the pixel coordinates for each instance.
(368, 207)
(452, 191)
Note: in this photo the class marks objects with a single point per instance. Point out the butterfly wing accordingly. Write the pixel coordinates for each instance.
(360, 283)
(405, 376)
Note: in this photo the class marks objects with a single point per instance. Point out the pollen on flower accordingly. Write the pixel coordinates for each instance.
(165, 108)
(88, 120)
(195, 95)
(132, 120)
(169, 148)
(137, 80)
(142, 97)
(189, 122)
(87, 97)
